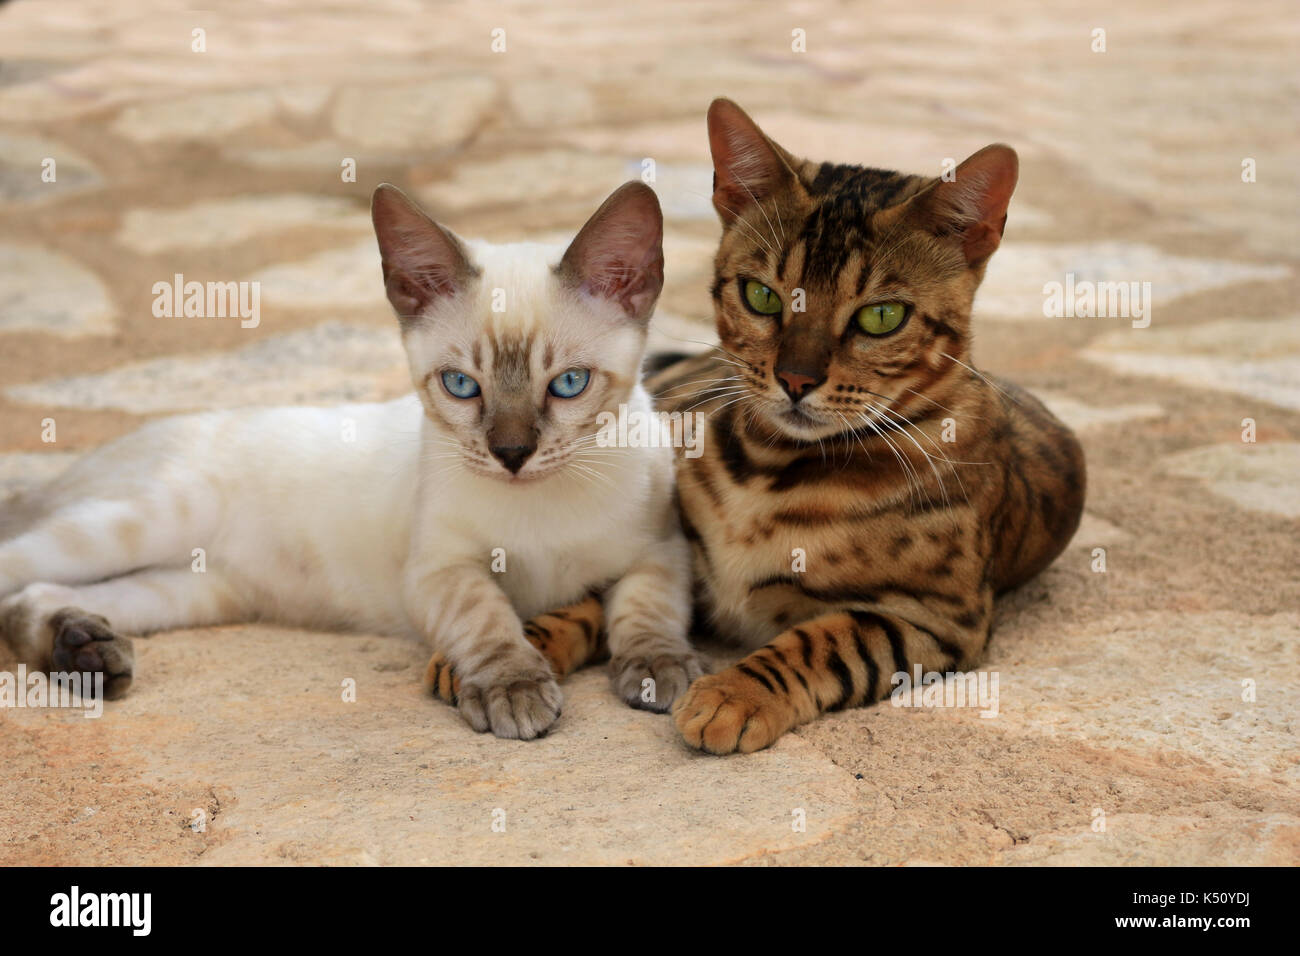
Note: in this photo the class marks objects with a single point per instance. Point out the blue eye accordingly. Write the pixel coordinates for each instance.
(460, 384)
(570, 384)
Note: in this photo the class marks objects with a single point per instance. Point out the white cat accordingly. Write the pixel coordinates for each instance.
(455, 514)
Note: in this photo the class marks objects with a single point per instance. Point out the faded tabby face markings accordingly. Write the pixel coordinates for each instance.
(513, 368)
(512, 319)
(826, 443)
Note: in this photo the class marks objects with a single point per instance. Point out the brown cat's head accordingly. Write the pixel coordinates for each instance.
(845, 291)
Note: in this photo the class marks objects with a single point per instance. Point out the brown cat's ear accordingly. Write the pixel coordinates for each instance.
(973, 205)
(747, 166)
(618, 255)
(421, 260)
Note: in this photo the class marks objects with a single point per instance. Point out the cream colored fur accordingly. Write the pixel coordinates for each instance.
(387, 517)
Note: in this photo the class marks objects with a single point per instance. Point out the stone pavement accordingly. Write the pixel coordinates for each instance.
(1147, 713)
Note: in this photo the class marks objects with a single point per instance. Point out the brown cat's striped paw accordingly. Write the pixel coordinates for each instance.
(654, 683)
(441, 679)
(729, 712)
(85, 643)
(568, 638)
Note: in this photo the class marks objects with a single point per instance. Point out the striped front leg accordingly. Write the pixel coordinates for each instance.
(568, 638)
(838, 660)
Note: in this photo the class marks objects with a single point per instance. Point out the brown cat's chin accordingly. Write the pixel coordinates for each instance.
(799, 418)
(798, 423)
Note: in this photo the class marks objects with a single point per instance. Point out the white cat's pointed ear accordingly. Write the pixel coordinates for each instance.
(748, 168)
(421, 260)
(618, 255)
(973, 206)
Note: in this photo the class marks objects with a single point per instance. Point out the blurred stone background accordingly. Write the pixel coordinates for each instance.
(1121, 692)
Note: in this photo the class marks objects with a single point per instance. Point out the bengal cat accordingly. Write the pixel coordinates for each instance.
(863, 491)
(461, 513)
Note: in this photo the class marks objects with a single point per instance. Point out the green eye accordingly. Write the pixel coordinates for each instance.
(881, 318)
(761, 299)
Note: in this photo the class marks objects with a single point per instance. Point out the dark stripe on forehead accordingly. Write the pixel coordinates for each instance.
(828, 175)
(841, 222)
(785, 254)
(510, 361)
(864, 273)
(834, 231)
(875, 187)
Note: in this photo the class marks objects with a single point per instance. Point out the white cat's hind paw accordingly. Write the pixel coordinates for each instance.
(84, 642)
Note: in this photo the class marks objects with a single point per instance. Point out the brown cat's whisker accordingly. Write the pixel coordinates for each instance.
(915, 489)
(758, 204)
(993, 385)
(738, 220)
(737, 390)
(902, 427)
(702, 382)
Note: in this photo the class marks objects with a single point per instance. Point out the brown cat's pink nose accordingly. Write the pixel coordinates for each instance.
(796, 385)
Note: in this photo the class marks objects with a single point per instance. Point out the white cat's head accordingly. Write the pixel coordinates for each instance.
(516, 349)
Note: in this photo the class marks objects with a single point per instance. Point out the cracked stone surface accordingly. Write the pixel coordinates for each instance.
(1147, 682)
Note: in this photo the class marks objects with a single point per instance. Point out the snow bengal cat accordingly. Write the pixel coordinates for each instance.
(863, 491)
(398, 528)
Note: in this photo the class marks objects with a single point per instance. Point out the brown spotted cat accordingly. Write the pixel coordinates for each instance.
(864, 492)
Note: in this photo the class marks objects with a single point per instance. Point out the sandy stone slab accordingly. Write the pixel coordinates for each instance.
(46, 291)
(398, 778)
(16, 72)
(207, 116)
(1261, 477)
(328, 363)
(29, 469)
(1159, 682)
(547, 102)
(529, 177)
(313, 155)
(224, 221)
(23, 162)
(1095, 531)
(349, 277)
(1225, 835)
(685, 191)
(427, 115)
(947, 787)
(304, 100)
(1013, 285)
(1081, 416)
(1257, 358)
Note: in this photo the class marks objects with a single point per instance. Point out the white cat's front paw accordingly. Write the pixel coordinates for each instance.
(654, 682)
(521, 708)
